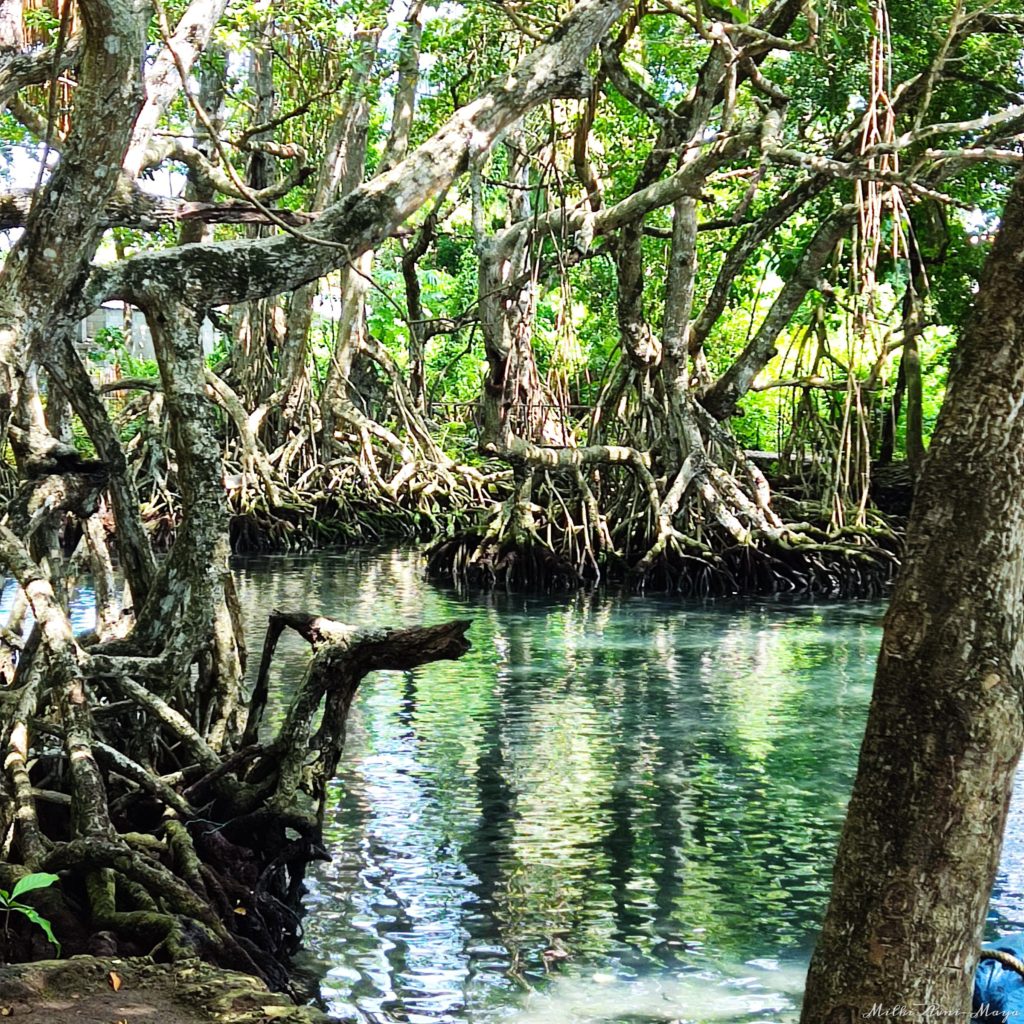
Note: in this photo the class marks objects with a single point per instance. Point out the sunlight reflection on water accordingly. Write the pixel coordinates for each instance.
(664, 998)
(612, 809)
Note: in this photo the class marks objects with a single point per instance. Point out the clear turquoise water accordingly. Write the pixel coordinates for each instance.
(612, 809)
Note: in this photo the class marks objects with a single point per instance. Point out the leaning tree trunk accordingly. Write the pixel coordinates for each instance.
(512, 399)
(256, 334)
(922, 839)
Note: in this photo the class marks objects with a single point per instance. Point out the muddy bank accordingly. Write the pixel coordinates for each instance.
(82, 991)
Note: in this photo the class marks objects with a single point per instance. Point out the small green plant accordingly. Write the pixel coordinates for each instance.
(108, 343)
(9, 902)
(41, 19)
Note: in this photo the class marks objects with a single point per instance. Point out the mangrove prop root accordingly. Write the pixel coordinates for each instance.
(702, 531)
(183, 845)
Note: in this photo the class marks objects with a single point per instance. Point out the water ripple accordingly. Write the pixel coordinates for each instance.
(615, 809)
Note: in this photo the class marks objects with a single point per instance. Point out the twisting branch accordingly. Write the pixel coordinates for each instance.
(192, 33)
(721, 398)
(130, 207)
(220, 273)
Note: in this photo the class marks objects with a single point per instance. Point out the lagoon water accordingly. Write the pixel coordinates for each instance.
(615, 808)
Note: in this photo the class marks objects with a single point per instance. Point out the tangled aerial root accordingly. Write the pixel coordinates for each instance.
(765, 568)
(541, 517)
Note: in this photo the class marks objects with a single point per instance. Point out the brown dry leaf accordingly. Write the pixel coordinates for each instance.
(115, 981)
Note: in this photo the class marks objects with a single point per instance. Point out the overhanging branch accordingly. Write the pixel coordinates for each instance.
(231, 272)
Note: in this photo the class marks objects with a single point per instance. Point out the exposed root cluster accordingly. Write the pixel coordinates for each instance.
(365, 484)
(663, 497)
(172, 837)
(700, 524)
(848, 563)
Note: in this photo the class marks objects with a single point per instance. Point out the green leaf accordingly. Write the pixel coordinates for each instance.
(738, 13)
(34, 917)
(38, 880)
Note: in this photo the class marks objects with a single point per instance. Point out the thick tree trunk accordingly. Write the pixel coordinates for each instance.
(257, 338)
(200, 191)
(513, 400)
(338, 393)
(34, 283)
(397, 148)
(188, 609)
(923, 833)
(638, 342)
(340, 172)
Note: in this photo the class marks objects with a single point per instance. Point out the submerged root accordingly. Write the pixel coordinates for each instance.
(698, 535)
(769, 566)
(482, 560)
(763, 566)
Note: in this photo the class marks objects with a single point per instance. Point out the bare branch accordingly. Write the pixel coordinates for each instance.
(190, 37)
(228, 272)
(19, 69)
(133, 208)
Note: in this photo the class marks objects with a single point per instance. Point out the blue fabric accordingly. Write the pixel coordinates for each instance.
(999, 990)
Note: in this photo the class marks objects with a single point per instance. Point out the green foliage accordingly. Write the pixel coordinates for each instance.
(9, 902)
(327, 56)
(219, 353)
(110, 347)
(107, 342)
(42, 20)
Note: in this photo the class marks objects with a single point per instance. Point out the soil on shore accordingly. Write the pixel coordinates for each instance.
(111, 990)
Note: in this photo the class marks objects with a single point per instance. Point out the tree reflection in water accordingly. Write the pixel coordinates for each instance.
(652, 787)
